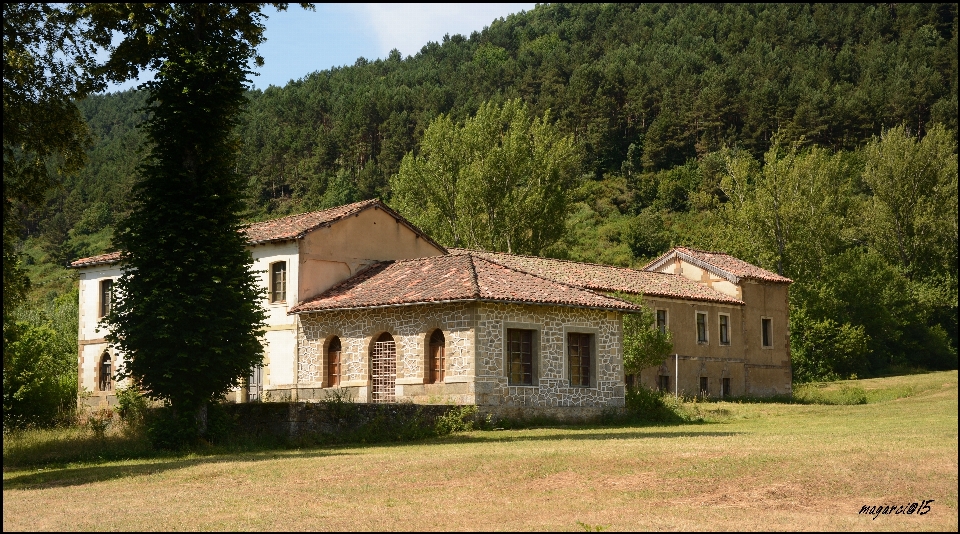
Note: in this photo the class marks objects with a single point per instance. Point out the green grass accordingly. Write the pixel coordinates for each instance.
(747, 466)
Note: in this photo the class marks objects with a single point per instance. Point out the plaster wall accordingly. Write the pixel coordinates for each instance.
(703, 276)
(331, 254)
(89, 311)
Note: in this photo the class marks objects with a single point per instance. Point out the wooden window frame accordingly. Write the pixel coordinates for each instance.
(723, 332)
(108, 380)
(436, 361)
(706, 327)
(334, 361)
(666, 320)
(766, 332)
(534, 353)
(577, 368)
(106, 290)
(273, 282)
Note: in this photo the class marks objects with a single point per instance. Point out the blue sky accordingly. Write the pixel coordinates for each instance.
(300, 42)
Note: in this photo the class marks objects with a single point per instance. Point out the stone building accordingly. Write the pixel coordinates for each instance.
(361, 301)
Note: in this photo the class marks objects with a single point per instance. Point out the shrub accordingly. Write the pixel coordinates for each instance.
(646, 405)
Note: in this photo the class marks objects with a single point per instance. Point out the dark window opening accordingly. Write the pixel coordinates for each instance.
(520, 357)
(704, 391)
(701, 327)
(333, 363)
(662, 321)
(278, 282)
(106, 297)
(106, 373)
(438, 359)
(663, 383)
(767, 338)
(578, 354)
(725, 388)
(724, 330)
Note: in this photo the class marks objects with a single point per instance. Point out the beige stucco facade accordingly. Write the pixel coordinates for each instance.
(319, 260)
(751, 368)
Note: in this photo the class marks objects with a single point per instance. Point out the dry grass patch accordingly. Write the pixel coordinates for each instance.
(750, 467)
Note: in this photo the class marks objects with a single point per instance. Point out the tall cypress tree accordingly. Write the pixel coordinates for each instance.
(187, 313)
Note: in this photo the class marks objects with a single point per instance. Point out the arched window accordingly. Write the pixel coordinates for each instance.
(333, 363)
(105, 372)
(438, 358)
(383, 369)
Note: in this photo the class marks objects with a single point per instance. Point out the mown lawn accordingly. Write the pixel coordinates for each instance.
(751, 466)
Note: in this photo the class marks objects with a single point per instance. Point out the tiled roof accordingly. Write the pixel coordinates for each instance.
(296, 226)
(290, 227)
(606, 277)
(102, 259)
(460, 277)
(719, 263)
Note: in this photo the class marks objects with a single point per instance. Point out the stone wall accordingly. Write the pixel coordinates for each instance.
(552, 387)
(410, 327)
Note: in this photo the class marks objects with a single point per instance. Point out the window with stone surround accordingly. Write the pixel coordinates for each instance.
(725, 387)
(662, 321)
(701, 327)
(438, 358)
(106, 296)
(704, 390)
(520, 356)
(105, 372)
(579, 358)
(333, 363)
(724, 329)
(765, 329)
(278, 281)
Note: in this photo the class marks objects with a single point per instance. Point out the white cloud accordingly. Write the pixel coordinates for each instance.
(408, 27)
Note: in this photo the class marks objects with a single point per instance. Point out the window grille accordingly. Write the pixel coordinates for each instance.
(578, 353)
(520, 357)
(438, 359)
(333, 363)
(278, 282)
(383, 368)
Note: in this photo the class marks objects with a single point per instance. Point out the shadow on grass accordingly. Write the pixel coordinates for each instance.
(78, 476)
(580, 435)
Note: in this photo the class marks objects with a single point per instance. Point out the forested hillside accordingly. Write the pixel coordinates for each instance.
(752, 129)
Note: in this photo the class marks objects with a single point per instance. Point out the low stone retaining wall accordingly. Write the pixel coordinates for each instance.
(331, 422)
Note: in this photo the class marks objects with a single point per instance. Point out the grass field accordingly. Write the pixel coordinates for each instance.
(750, 466)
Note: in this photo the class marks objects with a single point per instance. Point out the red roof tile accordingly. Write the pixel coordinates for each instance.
(460, 277)
(607, 278)
(288, 228)
(296, 226)
(102, 259)
(720, 264)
